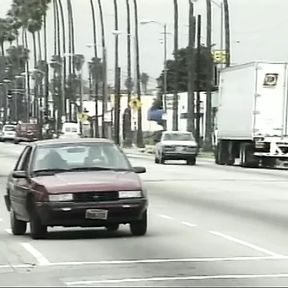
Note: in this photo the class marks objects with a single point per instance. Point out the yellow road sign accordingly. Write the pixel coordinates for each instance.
(135, 104)
(219, 56)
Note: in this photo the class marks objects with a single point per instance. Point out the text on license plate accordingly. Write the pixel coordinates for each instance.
(96, 214)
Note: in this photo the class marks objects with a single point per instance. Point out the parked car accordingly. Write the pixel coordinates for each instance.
(8, 132)
(27, 132)
(176, 145)
(81, 182)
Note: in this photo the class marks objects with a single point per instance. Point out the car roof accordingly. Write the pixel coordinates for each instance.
(177, 132)
(71, 141)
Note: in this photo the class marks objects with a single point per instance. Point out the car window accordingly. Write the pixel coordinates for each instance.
(178, 137)
(9, 128)
(88, 155)
(23, 161)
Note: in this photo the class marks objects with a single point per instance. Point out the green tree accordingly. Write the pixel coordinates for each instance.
(183, 71)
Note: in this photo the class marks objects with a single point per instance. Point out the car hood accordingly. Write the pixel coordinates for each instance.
(89, 181)
(183, 143)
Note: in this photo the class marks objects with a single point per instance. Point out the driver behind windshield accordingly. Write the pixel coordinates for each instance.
(95, 157)
(52, 160)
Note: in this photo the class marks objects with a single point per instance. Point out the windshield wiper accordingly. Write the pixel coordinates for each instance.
(50, 171)
(96, 169)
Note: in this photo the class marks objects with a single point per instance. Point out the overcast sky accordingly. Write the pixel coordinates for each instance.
(258, 30)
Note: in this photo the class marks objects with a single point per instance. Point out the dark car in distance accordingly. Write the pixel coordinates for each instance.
(27, 132)
(80, 182)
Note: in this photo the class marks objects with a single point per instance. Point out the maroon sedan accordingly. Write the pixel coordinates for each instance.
(79, 182)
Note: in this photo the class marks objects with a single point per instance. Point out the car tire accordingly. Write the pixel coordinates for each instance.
(162, 159)
(156, 160)
(18, 227)
(112, 227)
(139, 228)
(37, 230)
(191, 161)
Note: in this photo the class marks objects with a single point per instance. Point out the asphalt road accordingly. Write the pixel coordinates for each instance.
(208, 226)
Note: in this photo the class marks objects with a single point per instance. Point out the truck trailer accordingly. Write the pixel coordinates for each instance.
(252, 118)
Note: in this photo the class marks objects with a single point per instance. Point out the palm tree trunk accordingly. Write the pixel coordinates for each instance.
(128, 121)
(175, 98)
(104, 72)
(2, 49)
(116, 82)
(96, 72)
(70, 57)
(140, 143)
(39, 46)
(34, 49)
(227, 33)
(35, 101)
(64, 60)
(208, 115)
(27, 79)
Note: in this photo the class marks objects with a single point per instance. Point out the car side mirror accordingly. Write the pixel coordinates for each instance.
(19, 174)
(139, 170)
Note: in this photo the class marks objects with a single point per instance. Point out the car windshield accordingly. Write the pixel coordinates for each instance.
(9, 128)
(178, 137)
(80, 156)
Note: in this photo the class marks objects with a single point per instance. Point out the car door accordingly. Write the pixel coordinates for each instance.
(19, 188)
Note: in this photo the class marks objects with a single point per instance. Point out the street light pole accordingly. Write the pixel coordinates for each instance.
(165, 68)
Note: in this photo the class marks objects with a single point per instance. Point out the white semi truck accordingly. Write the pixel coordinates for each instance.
(252, 118)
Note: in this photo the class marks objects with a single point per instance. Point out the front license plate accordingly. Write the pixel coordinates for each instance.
(96, 214)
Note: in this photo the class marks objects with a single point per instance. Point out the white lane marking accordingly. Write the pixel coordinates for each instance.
(9, 231)
(166, 217)
(244, 243)
(188, 224)
(182, 278)
(157, 261)
(36, 254)
(17, 266)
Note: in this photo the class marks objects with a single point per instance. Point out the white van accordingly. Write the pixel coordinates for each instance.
(70, 130)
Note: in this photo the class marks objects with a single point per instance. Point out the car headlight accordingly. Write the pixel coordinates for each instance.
(61, 197)
(130, 194)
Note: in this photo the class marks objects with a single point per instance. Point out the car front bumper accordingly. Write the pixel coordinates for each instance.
(73, 214)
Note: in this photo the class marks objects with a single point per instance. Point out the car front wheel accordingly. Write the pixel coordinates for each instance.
(18, 227)
(191, 161)
(37, 230)
(139, 228)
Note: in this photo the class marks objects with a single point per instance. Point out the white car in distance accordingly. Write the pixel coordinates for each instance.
(176, 145)
(8, 133)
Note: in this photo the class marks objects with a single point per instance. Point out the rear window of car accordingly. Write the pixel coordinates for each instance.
(9, 128)
(178, 137)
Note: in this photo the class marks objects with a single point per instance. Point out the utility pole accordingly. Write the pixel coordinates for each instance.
(191, 71)
(117, 107)
(175, 98)
(208, 115)
(198, 79)
(165, 68)
(227, 32)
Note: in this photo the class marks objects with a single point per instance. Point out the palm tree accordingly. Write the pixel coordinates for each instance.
(227, 32)
(104, 90)
(208, 115)
(140, 143)
(127, 135)
(96, 128)
(63, 110)
(175, 98)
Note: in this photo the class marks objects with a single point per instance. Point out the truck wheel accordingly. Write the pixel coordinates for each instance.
(162, 159)
(139, 228)
(18, 227)
(222, 155)
(247, 159)
(268, 162)
(191, 161)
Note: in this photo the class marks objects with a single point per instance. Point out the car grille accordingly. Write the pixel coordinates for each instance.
(96, 196)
